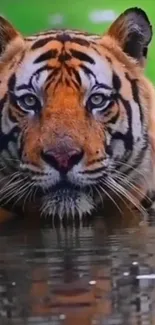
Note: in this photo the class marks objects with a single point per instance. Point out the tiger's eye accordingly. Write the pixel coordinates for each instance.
(97, 100)
(29, 100)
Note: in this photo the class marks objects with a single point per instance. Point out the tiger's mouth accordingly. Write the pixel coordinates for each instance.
(62, 188)
(66, 199)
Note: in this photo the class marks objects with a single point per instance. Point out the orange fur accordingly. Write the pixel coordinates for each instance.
(64, 111)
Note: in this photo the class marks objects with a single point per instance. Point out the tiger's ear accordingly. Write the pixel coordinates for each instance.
(10, 39)
(133, 31)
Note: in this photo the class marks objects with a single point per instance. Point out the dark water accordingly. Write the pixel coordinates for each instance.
(88, 274)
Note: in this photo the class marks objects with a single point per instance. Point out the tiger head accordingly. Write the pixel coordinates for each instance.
(74, 114)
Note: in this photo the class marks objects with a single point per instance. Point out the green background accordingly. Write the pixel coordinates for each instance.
(31, 16)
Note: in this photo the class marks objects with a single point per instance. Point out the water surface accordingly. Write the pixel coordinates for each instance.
(98, 272)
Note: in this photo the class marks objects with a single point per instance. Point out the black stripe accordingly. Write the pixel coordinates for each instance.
(12, 162)
(80, 41)
(42, 42)
(36, 73)
(82, 56)
(64, 57)
(77, 76)
(87, 71)
(51, 78)
(23, 86)
(128, 137)
(7, 138)
(14, 105)
(136, 98)
(29, 39)
(135, 94)
(108, 59)
(102, 85)
(89, 172)
(68, 69)
(53, 74)
(73, 83)
(12, 82)
(72, 72)
(137, 161)
(51, 54)
(116, 82)
(29, 85)
(66, 81)
(73, 304)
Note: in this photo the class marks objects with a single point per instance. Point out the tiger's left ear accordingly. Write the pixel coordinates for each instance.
(133, 31)
(11, 41)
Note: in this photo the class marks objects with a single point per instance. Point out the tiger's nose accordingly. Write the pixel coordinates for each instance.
(62, 157)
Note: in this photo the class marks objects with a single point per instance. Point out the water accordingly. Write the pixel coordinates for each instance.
(98, 272)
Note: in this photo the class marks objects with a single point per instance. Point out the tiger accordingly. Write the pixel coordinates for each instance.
(77, 118)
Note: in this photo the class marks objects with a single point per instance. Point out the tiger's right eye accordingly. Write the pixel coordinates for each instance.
(29, 102)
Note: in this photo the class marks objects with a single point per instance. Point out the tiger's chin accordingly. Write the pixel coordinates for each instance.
(67, 203)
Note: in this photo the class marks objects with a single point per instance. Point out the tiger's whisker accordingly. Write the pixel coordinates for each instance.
(110, 197)
(125, 180)
(127, 195)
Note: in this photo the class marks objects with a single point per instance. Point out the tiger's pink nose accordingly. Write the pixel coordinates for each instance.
(62, 157)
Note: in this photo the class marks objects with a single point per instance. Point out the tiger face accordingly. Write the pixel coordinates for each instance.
(74, 115)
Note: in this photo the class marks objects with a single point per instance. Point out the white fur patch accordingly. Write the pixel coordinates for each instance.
(136, 122)
(102, 71)
(25, 72)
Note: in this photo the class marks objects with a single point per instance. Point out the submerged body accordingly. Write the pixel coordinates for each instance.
(77, 117)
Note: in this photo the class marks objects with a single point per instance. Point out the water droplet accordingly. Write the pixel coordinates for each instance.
(92, 282)
(134, 263)
(145, 276)
(81, 275)
(62, 317)
(126, 273)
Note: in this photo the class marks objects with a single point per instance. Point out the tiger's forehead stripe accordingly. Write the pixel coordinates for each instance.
(67, 42)
(68, 58)
(61, 38)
